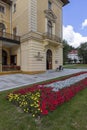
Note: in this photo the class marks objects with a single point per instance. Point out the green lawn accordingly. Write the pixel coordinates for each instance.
(76, 66)
(69, 116)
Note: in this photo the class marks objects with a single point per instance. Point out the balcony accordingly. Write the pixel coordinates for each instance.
(52, 37)
(9, 37)
(7, 1)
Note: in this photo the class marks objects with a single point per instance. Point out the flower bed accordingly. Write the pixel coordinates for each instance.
(40, 100)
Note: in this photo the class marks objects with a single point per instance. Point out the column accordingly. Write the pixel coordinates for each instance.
(0, 55)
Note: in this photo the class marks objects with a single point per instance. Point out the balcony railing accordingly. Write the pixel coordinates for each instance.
(52, 37)
(7, 1)
(9, 37)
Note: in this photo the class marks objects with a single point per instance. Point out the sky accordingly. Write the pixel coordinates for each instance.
(75, 22)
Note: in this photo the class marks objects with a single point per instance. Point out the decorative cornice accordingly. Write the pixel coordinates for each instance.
(50, 15)
(31, 35)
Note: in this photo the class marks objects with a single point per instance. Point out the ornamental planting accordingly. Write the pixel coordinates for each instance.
(39, 100)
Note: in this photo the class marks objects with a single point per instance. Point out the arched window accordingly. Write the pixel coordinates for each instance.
(2, 27)
(49, 25)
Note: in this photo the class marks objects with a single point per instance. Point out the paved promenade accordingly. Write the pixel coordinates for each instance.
(17, 80)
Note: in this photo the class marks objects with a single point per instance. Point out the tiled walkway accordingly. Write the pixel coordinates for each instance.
(18, 80)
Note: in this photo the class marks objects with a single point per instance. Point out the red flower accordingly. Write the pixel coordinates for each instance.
(49, 100)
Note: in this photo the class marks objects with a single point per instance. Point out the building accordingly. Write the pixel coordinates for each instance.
(31, 35)
(73, 56)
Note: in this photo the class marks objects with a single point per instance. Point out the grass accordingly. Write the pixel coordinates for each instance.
(76, 66)
(69, 116)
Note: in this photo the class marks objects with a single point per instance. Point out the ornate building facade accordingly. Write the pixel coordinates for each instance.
(31, 35)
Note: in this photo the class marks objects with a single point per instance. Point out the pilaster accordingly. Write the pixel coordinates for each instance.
(0, 56)
(33, 15)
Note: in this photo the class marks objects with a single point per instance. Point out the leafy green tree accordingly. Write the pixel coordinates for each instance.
(66, 49)
(82, 51)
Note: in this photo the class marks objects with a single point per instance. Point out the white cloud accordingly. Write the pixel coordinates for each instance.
(73, 38)
(84, 24)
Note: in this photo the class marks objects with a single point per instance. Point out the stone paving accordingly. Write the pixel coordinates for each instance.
(17, 80)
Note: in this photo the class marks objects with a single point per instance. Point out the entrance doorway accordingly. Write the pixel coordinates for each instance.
(13, 59)
(49, 59)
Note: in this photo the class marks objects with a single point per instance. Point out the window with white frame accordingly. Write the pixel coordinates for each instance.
(14, 7)
(15, 31)
(2, 27)
(49, 5)
(49, 27)
(2, 9)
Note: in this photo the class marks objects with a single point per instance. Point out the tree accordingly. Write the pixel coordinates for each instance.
(66, 49)
(82, 51)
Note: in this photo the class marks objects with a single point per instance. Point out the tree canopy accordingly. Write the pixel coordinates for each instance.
(66, 49)
(82, 51)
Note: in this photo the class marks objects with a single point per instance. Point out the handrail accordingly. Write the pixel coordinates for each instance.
(7, 1)
(52, 37)
(9, 36)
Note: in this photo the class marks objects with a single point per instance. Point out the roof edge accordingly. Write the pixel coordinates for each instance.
(65, 2)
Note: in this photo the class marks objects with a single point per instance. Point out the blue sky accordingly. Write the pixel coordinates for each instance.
(75, 22)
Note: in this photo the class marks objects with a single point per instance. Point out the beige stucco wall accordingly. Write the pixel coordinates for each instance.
(30, 48)
(57, 9)
(41, 6)
(59, 56)
(27, 15)
(20, 18)
(16, 50)
(29, 51)
(5, 17)
(30, 16)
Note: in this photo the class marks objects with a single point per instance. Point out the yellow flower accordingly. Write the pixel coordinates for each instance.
(33, 115)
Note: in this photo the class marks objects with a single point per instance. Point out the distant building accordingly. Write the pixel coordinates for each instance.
(73, 57)
(31, 34)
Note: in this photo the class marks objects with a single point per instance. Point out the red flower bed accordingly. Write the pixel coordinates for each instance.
(36, 87)
(50, 100)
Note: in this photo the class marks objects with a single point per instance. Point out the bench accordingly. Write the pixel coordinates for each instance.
(59, 68)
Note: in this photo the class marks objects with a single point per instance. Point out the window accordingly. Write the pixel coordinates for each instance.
(14, 8)
(2, 9)
(4, 57)
(2, 27)
(49, 5)
(15, 31)
(49, 26)
(13, 59)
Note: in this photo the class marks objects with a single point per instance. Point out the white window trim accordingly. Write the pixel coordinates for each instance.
(4, 9)
(13, 11)
(53, 29)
